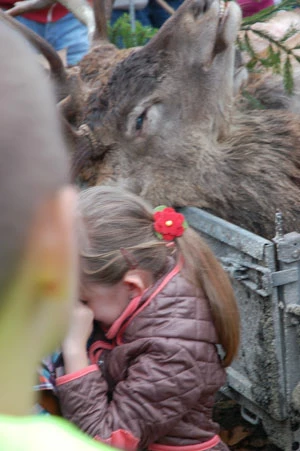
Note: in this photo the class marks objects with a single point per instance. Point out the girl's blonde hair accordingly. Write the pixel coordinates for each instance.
(121, 236)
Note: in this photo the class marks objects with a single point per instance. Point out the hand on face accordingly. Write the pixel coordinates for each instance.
(81, 326)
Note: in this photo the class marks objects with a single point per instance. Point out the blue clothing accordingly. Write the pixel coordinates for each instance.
(66, 33)
(152, 15)
(157, 15)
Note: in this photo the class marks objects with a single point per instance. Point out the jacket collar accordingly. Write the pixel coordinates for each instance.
(138, 304)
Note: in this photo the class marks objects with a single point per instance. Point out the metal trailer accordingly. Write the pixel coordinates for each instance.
(265, 378)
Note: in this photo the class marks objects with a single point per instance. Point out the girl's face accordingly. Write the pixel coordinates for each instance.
(106, 301)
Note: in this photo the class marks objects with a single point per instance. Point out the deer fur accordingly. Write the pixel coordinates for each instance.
(166, 126)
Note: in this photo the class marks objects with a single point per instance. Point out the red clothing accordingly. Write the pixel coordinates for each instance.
(250, 7)
(52, 14)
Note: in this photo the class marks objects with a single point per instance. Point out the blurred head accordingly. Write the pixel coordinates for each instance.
(37, 243)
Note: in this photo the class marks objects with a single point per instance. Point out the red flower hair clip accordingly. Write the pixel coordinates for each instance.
(168, 224)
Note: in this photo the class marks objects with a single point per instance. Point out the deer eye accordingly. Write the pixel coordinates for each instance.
(140, 121)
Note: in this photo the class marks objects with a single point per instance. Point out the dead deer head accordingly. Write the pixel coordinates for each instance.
(182, 77)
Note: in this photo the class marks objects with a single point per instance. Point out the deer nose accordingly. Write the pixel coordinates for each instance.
(200, 7)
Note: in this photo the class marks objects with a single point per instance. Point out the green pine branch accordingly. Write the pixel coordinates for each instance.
(279, 55)
(267, 13)
(121, 34)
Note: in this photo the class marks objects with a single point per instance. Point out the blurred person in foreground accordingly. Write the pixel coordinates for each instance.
(38, 252)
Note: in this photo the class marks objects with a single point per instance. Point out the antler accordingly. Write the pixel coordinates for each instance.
(55, 62)
(68, 85)
(71, 91)
(101, 18)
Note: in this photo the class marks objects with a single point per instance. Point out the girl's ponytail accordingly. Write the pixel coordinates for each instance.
(204, 270)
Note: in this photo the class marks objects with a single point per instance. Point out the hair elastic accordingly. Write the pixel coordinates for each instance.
(129, 258)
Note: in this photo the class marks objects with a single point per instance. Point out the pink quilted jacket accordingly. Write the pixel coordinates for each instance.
(155, 375)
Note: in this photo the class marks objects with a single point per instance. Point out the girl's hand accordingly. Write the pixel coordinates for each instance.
(81, 326)
(74, 345)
